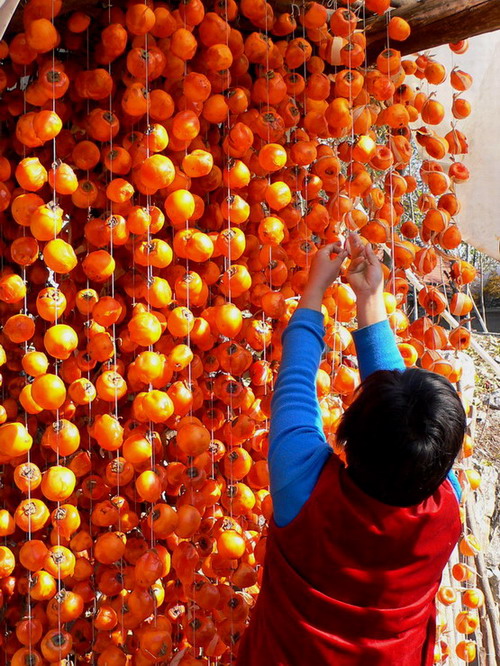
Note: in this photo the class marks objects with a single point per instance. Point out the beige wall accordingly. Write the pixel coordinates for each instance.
(479, 218)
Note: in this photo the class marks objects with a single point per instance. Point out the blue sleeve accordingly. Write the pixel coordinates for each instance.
(452, 478)
(377, 349)
(298, 449)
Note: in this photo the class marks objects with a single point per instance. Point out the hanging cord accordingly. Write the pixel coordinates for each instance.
(25, 346)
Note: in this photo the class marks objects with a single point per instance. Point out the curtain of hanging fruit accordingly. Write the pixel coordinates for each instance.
(167, 174)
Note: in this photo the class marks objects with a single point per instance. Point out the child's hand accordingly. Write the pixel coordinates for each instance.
(367, 280)
(324, 270)
(325, 266)
(365, 271)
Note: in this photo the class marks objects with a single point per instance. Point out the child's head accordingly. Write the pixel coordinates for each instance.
(402, 434)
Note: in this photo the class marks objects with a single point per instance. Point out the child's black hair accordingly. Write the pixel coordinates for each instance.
(402, 434)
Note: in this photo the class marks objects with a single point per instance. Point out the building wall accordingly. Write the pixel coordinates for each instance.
(479, 218)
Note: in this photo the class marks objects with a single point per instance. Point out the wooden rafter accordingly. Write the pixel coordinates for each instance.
(7, 10)
(436, 22)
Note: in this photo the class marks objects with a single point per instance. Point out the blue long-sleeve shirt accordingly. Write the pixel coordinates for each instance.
(298, 448)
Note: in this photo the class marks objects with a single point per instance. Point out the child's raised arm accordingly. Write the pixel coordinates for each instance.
(375, 342)
(297, 445)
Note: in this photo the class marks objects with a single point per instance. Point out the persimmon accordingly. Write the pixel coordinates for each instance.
(50, 304)
(459, 337)
(197, 163)
(98, 266)
(119, 472)
(162, 519)
(460, 80)
(193, 439)
(15, 439)
(463, 272)
(23, 655)
(188, 521)
(109, 547)
(473, 598)
(29, 631)
(60, 341)
(23, 206)
(56, 644)
(399, 29)
(7, 524)
(19, 328)
(63, 179)
(63, 437)
(85, 194)
(230, 544)
(469, 545)
(461, 572)
(27, 477)
(446, 595)
(215, 109)
(461, 108)
(466, 650)
(42, 586)
(31, 515)
(12, 288)
(7, 561)
(432, 112)
(158, 406)
(110, 386)
(48, 391)
(66, 520)
(85, 155)
(58, 483)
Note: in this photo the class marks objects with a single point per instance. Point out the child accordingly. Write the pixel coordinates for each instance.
(355, 553)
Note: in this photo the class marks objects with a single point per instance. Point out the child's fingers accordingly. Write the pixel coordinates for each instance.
(354, 245)
(339, 259)
(370, 255)
(331, 248)
(357, 265)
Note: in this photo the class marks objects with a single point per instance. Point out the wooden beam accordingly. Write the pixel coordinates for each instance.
(7, 9)
(434, 22)
(90, 7)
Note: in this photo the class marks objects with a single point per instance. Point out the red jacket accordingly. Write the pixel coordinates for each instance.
(351, 581)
